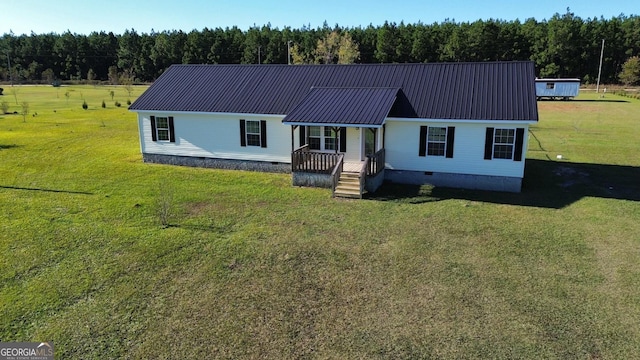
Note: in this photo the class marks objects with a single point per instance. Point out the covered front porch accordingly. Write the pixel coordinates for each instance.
(345, 178)
(337, 139)
(349, 160)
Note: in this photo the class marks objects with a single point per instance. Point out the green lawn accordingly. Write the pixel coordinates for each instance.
(251, 267)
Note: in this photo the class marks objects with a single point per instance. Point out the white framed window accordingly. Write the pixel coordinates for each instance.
(162, 129)
(253, 133)
(331, 139)
(551, 86)
(503, 143)
(436, 141)
(315, 137)
(323, 138)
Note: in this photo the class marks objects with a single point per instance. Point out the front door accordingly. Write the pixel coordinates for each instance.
(369, 141)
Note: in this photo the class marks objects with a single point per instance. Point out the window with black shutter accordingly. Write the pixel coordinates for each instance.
(504, 144)
(436, 141)
(253, 133)
(162, 128)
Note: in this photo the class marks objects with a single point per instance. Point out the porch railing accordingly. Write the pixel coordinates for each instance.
(375, 163)
(303, 160)
(363, 175)
(335, 174)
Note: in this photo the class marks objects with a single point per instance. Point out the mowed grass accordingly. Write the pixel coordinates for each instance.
(251, 267)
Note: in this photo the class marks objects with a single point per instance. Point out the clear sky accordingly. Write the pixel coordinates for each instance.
(86, 16)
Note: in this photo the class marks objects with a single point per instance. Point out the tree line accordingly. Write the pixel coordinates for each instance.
(563, 46)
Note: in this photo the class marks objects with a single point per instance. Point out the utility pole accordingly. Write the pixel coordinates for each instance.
(600, 67)
(288, 52)
(259, 54)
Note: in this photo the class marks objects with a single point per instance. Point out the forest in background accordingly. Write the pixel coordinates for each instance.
(563, 46)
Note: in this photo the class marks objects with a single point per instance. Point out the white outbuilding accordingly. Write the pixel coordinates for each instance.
(557, 89)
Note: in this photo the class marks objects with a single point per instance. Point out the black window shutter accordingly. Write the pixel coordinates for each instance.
(243, 134)
(303, 135)
(422, 150)
(517, 155)
(263, 133)
(172, 133)
(451, 133)
(154, 136)
(488, 144)
(343, 139)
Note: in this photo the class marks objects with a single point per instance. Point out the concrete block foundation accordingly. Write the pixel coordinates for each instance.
(214, 163)
(463, 181)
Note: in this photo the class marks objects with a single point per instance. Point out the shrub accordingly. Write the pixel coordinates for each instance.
(84, 105)
(24, 111)
(128, 102)
(103, 104)
(630, 74)
(164, 204)
(117, 103)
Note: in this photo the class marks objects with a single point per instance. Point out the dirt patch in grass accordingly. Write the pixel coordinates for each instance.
(559, 106)
(572, 106)
(198, 208)
(610, 182)
(570, 176)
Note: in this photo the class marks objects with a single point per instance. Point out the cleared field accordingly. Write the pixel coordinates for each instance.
(251, 267)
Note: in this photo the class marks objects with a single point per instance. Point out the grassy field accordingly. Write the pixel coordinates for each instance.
(251, 267)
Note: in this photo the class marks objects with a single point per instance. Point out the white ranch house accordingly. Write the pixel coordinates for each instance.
(348, 127)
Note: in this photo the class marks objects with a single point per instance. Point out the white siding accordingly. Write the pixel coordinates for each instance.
(403, 140)
(217, 136)
(353, 145)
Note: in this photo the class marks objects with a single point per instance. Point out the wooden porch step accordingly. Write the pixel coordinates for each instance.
(348, 186)
(351, 195)
(349, 180)
(349, 176)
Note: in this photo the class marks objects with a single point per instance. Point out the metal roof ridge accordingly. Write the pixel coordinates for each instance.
(359, 64)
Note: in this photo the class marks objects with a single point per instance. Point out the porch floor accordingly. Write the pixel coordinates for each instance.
(352, 166)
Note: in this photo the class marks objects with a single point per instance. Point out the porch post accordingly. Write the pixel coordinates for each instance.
(363, 143)
(376, 141)
(384, 134)
(336, 131)
(293, 144)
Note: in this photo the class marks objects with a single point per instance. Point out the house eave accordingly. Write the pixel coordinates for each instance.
(462, 121)
(332, 125)
(239, 115)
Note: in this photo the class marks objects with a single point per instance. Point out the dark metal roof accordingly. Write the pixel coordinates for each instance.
(473, 91)
(347, 106)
